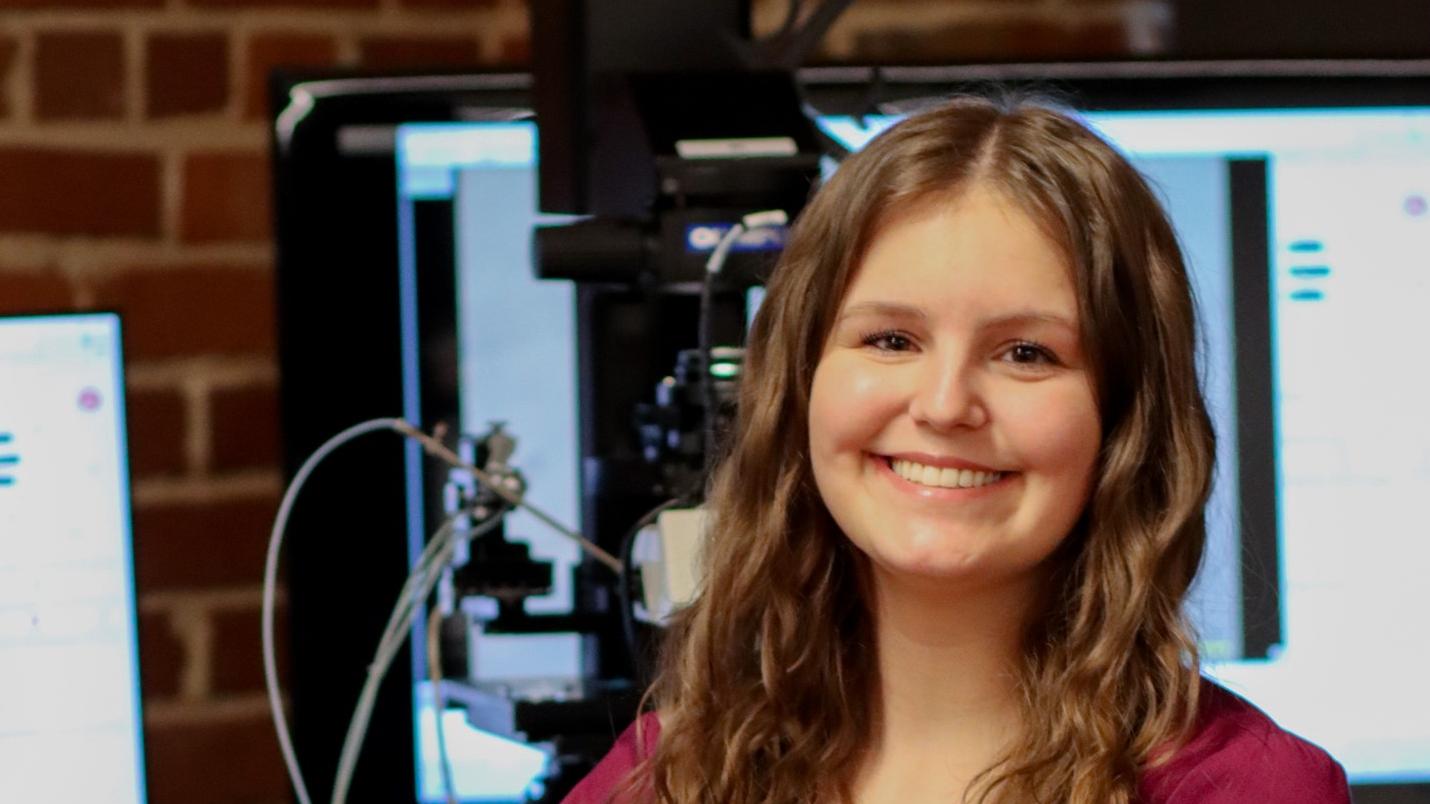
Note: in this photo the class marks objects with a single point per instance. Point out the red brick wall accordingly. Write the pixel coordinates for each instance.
(134, 175)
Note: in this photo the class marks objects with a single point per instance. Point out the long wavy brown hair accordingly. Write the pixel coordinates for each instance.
(765, 684)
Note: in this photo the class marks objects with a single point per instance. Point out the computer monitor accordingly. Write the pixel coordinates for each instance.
(70, 721)
(1301, 228)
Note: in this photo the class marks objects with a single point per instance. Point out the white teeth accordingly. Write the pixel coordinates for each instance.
(942, 477)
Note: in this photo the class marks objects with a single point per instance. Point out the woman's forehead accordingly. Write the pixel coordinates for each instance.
(978, 253)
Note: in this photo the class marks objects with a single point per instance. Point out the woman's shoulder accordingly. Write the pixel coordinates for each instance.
(1239, 754)
(635, 744)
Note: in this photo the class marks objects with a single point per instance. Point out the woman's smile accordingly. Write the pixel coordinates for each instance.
(941, 481)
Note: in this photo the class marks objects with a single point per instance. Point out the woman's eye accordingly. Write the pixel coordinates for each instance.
(888, 341)
(1031, 354)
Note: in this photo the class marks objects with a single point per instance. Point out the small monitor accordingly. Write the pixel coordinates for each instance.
(70, 721)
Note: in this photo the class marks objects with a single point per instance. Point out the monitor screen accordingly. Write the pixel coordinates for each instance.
(1304, 230)
(69, 674)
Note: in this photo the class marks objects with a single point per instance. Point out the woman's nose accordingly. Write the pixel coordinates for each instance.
(947, 396)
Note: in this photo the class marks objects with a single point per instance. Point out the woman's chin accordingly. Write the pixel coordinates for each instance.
(946, 571)
(929, 566)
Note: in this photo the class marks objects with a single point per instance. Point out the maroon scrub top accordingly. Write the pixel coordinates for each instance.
(1237, 755)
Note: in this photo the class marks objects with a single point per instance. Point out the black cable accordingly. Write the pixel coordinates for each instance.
(794, 46)
(791, 18)
(707, 359)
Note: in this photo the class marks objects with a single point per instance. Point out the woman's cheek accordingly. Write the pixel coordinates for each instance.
(853, 401)
(1058, 423)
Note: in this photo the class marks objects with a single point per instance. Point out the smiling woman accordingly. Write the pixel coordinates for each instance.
(963, 506)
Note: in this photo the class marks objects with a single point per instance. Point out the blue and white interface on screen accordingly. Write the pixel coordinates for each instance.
(70, 725)
(1349, 206)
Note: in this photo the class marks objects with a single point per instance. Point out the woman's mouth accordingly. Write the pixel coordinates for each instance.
(941, 478)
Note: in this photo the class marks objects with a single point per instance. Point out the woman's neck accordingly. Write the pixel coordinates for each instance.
(947, 688)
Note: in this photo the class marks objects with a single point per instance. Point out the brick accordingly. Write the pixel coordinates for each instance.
(79, 76)
(297, 4)
(448, 5)
(202, 545)
(42, 292)
(158, 427)
(192, 310)
(272, 51)
(18, 5)
(8, 46)
(185, 74)
(226, 196)
(516, 50)
(59, 192)
(244, 428)
(161, 657)
(1000, 40)
(238, 649)
(418, 52)
(218, 762)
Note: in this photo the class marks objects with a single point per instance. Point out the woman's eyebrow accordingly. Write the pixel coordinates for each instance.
(1029, 317)
(909, 311)
(883, 308)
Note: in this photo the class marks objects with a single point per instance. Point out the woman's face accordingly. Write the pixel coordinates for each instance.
(952, 425)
